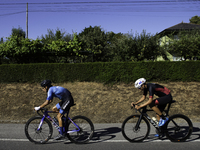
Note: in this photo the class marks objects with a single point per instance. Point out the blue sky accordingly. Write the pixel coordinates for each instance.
(127, 16)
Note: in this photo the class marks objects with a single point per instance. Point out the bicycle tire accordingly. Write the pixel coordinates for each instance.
(86, 130)
(129, 132)
(41, 136)
(181, 131)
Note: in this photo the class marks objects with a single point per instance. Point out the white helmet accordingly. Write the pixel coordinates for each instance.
(139, 82)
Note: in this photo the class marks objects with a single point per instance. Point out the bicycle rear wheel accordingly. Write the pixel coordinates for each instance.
(179, 128)
(40, 136)
(130, 132)
(86, 130)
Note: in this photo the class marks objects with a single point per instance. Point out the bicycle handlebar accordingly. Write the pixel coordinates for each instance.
(41, 110)
(135, 108)
(142, 108)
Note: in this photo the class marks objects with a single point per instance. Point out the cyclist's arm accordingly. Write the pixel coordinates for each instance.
(151, 92)
(141, 100)
(46, 103)
(147, 103)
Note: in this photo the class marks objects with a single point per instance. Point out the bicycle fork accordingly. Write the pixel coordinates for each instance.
(41, 123)
(138, 123)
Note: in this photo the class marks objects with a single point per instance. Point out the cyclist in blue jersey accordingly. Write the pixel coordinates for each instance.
(62, 107)
(158, 104)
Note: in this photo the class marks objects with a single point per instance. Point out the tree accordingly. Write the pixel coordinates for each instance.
(120, 48)
(94, 43)
(1, 40)
(58, 35)
(22, 51)
(195, 19)
(19, 33)
(146, 47)
(187, 46)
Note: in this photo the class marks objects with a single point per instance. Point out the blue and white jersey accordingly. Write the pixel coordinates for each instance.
(59, 92)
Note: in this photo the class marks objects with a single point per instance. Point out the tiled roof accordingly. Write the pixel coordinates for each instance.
(181, 26)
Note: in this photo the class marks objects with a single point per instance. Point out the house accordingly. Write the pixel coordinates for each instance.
(175, 30)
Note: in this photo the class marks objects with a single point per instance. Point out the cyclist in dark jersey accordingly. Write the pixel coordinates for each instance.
(158, 104)
(62, 107)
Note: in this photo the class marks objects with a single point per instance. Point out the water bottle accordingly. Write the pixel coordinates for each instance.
(154, 119)
(55, 120)
(55, 123)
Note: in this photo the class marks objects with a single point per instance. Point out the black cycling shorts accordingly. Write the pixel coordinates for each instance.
(163, 101)
(67, 103)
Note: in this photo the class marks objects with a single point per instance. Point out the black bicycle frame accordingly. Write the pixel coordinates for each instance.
(144, 114)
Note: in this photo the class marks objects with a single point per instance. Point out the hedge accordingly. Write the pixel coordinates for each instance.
(102, 72)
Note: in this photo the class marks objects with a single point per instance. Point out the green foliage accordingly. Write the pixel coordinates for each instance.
(195, 19)
(94, 41)
(18, 32)
(19, 50)
(58, 35)
(75, 47)
(187, 45)
(94, 45)
(121, 47)
(147, 46)
(136, 47)
(1, 40)
(115, 72)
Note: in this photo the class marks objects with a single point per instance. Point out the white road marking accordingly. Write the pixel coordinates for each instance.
(17, 140)
(107, 141)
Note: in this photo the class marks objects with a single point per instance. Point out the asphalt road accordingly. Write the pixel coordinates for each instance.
(106, 137)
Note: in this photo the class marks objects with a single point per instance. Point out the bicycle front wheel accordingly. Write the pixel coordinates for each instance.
(131, 132)
(178, 128)
(39, 136)
(84, 134)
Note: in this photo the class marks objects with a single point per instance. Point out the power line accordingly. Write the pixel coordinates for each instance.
(13, 13)
(90, 7)
(104, 2)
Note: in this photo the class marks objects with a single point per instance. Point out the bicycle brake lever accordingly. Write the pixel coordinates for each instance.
(135, 109)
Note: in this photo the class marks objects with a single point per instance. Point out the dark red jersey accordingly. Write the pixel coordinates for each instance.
(156, 89)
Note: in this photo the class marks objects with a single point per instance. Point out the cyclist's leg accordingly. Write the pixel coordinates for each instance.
(67, 104)
(159, 104)
(153, 106)
(64, 107)
(162, 103)
(161, 108)
(55, 109)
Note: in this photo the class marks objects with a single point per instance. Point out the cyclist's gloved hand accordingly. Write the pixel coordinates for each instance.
(37, 108)
(137, 107)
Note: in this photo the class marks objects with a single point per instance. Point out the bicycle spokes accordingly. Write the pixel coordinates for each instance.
(80, 129)
(38, 129)
(134, 131)
(179, 128)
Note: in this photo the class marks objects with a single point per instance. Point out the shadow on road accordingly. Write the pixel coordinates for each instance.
(101, 135)
(194, 136)
(106, 134)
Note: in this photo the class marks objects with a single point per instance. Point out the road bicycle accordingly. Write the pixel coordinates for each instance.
(136, 128)
(38, 129)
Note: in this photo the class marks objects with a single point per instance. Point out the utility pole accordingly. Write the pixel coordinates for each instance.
(27, 20)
